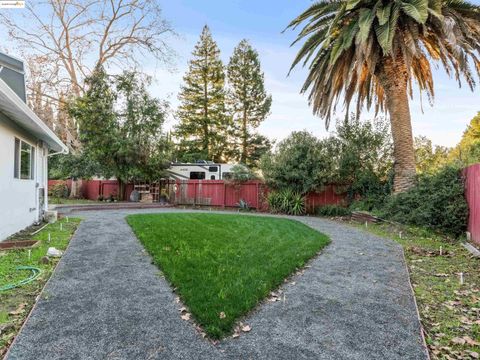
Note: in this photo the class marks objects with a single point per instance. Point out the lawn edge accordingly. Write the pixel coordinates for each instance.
(360, 227)
(417, 310)
(298, 272)
(38, 297)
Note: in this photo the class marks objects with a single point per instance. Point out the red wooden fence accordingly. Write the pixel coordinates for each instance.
(216, 193)
(222, 194)
(329, 196)
(472, 193)
(254, 193)
(93, 189)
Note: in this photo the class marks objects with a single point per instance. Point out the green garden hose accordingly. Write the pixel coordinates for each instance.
(35, 273)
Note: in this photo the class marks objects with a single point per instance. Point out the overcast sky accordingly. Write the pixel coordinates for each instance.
(262, 23)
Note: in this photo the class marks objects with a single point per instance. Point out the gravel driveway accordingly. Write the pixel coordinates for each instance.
(107, 301)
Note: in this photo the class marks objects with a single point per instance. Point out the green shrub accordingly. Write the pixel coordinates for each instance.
(241, 173)
(297, 205)
(59, 190)
(436, 202)
(301, 162)
(332, 210)
(274, 202)
(286, 202)
(371, 203)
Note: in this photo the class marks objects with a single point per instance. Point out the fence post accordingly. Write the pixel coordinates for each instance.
(257, 187)
(194, 194)
(224, 194)
(178, 192)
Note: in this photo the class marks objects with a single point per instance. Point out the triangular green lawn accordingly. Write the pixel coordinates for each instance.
(225, 263)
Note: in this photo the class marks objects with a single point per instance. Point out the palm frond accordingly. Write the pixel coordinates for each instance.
(416, 9)
(346, 44)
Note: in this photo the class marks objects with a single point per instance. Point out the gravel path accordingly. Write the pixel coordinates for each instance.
(107, 301)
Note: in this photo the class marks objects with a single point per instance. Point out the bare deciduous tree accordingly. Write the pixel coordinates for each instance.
(64, 40)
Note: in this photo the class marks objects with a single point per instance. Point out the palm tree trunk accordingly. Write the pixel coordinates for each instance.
(393, 78)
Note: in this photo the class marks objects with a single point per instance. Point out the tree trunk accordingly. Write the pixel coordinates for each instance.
(206, 128)
(243, 157)
(121, 190)
(75, 187)
(393, 77)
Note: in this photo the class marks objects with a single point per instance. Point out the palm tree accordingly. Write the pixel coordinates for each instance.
(373, 51)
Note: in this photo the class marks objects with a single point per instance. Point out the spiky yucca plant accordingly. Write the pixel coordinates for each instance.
(371, 52)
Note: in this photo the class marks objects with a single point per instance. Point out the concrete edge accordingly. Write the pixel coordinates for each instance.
(419, 319)
(101, 207)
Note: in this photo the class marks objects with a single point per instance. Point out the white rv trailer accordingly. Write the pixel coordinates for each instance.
(200, 170)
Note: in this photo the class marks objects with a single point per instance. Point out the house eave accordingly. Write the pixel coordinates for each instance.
(16, 110)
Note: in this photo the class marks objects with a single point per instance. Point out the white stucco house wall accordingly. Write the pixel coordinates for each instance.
(26, 142)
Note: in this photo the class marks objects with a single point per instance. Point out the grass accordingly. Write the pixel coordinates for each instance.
(15, 304)
(449, 310)
(57, 201)
(224, 265)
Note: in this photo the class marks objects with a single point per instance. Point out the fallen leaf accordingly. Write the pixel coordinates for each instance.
(246, 328)
(186, 316)
(470, 341)
(20, 309)
(465, 320)
(458, 341)
(222, 315)
(235, 335)
(182, 309)
(474, 354)
(5, 328)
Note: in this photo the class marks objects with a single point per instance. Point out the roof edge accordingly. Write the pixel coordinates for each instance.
(26, 111)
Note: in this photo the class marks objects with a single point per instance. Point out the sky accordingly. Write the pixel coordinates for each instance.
(262, 22)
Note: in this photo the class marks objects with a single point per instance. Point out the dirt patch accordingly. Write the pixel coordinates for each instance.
(18, 244)
(25, 234)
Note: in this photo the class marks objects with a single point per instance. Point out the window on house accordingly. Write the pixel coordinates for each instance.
(213, 168)
(212, 177)
(24, 161)
(227, 175)
(197, 175)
